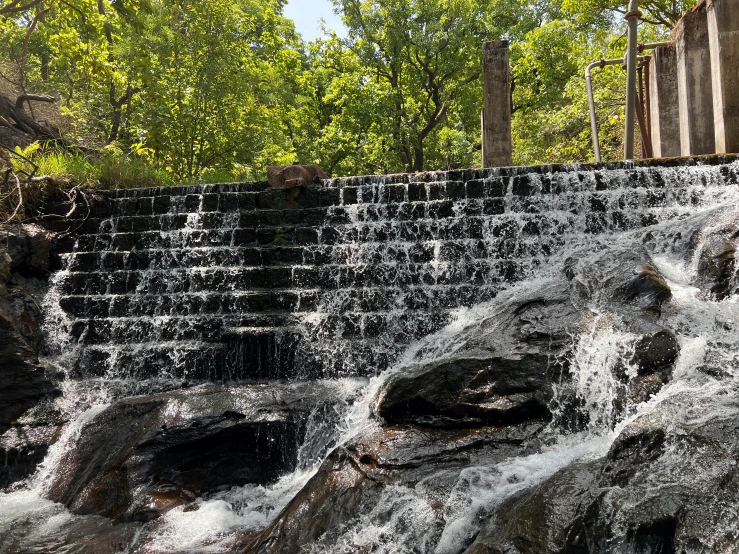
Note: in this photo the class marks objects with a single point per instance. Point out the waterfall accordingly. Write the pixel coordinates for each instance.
(179, 294)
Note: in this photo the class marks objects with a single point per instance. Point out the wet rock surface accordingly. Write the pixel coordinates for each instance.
(184, 445)
(355, 477)
(501, 375)
(589, 408)
(24, 383)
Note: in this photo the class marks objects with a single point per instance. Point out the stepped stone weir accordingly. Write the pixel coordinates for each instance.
(238, 281)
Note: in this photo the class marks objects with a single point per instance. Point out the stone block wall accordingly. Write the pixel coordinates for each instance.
(237, 281)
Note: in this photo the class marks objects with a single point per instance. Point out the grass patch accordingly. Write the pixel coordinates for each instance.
(67, 169)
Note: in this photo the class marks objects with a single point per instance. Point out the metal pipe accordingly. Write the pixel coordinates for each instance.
(632, 17)
(591, 99)
(647, 96)
(652, 46)
(646, 139)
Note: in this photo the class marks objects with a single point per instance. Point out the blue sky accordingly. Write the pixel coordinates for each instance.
(306, 14)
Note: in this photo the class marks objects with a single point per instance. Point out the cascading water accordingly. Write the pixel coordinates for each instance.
(381, 273)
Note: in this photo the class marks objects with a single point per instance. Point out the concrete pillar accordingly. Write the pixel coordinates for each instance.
(663, 103)
(497, 148)
(695, 96)
(723, 36)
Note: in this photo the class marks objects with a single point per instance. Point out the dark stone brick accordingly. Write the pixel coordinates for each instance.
(416, 192)
(349, 195)
(247, 201)
(172, 222)
(524, 185)
(311, 216)
(472, 207)
(117, 283)
(436, 191)
(440, 210)
(267, 235)
(506, 229)
(598, 203)
(455, 190)
(209, 203)
(191, 203)
(244, 237)
(595, 223)
(282, 256)
(249, 219)
(278, 277)
(531, 228)
(497, 188)
(656, 198)
(268, 217)
(228, 202)
(250, 257)
(308, 301)
(86, 261)
(306, 277)
(475, 228)
(601, 183)
(475, 189)
(113, 260)
(395, 193)
(306, 235)
(329, 235)
(330, 197)
(273, 200)
(123, 241)
(493, 206)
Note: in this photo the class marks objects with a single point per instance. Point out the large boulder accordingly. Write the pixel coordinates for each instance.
(716, 253)
(185, 444)
(501, 373)
(667, 484)
(24, 382)
(362, 480)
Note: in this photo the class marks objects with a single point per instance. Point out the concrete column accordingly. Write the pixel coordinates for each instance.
(695, 96)
(497, 148)
(663, 103)
(723, 36)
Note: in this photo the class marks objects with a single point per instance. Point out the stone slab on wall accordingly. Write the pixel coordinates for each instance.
(695, 91)
(664, 103)
(497, 145)
(723, 33)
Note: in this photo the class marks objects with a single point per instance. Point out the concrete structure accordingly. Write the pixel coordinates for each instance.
(663, 103)
(149, 293)
(695, 96)
(497, 149)
(723, 34)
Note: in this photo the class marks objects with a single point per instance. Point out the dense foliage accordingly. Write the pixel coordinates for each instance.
(218, 89)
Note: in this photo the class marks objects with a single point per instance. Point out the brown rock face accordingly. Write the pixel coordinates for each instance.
(23, 382)
(717, 262)
(26, 250)
(291, 176)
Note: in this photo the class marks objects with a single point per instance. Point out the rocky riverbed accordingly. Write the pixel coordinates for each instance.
(592, 407)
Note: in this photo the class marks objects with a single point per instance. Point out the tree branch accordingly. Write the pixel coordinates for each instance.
(32, 98)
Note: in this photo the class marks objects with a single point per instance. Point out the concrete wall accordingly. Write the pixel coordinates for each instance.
(723, 34)
(663, 92)
(695, 91)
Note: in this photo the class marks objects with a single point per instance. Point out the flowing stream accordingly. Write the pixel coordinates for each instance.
(415, 517)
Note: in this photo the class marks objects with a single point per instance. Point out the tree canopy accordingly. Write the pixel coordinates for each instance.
(218, 89)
